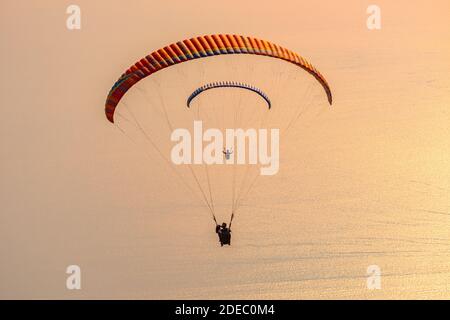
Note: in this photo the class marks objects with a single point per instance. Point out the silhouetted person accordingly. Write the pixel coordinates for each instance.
(227, 153)
(224, 234)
